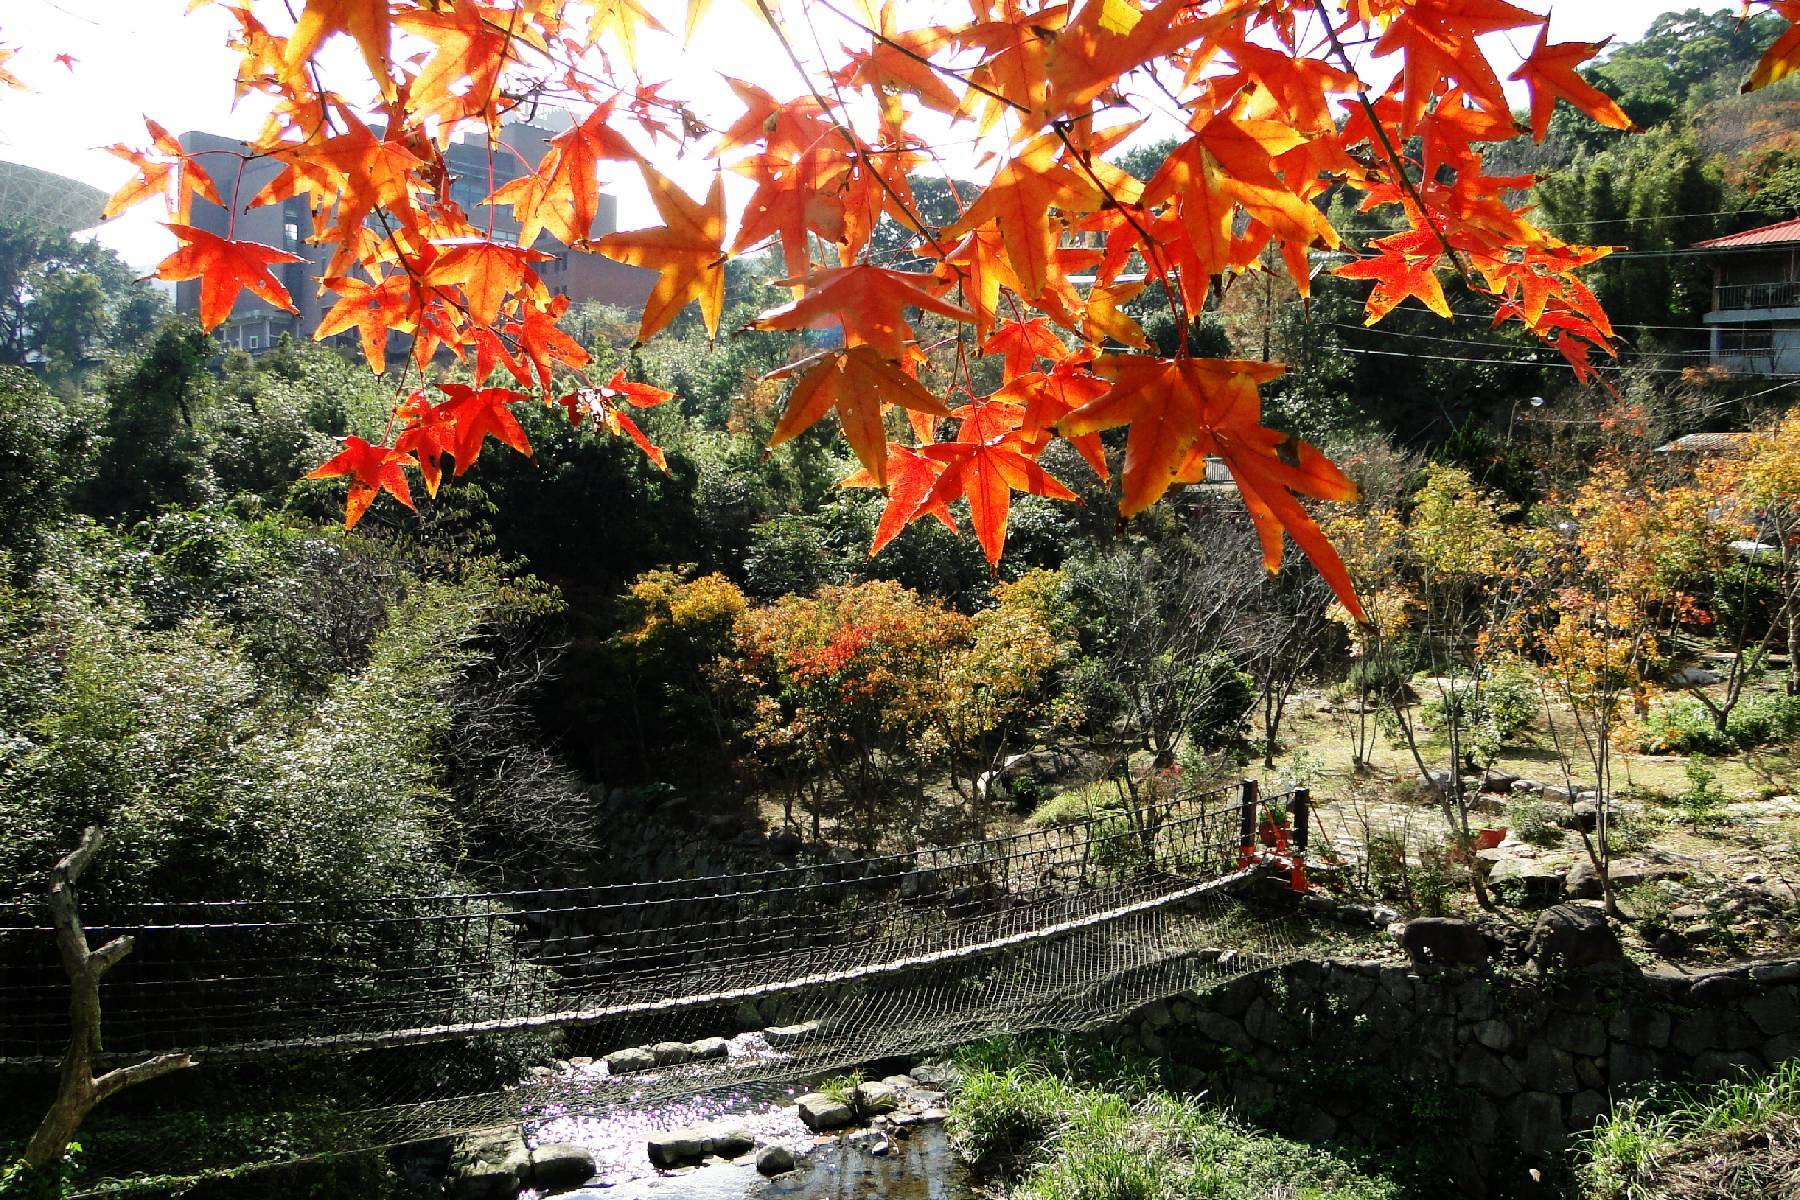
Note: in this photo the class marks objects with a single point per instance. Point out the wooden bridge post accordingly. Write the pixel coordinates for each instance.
(1247, 817)
(1301, 807)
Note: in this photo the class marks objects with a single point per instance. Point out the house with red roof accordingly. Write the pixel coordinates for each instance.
(1755, 317)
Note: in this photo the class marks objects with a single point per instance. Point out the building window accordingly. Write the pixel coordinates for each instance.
(1746, 339)
(253, 342)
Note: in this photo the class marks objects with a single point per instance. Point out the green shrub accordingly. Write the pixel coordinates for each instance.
(1534, 821)
(1685, 726)
(1702, 801)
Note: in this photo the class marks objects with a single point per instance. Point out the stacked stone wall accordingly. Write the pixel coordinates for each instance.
(1483, 1075)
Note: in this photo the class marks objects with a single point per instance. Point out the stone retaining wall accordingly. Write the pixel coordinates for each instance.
(1487, 1075)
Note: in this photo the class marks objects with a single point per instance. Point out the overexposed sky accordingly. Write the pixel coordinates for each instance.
(137, 58)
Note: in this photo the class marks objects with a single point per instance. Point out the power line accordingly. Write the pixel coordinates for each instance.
(1549, 365)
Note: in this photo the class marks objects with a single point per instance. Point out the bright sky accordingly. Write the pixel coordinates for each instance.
(147, 57)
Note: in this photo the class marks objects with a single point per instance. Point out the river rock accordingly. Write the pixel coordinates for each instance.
(561, 1166)
(788, 1035)
(624, 1062)
(732, 1142)
(872, 1098)
(678, 1149)
(712, 1047)
(669, 1053)
(936, 1075)
(820, 1112)
(775, 1160)
(489, 1163)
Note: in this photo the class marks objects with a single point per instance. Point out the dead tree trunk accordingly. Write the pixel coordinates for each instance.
(79, 1089)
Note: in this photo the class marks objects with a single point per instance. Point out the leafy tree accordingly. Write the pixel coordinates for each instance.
(841, 686)
(61, 298)
(151, 452)
(46, 450)
(1767, 483)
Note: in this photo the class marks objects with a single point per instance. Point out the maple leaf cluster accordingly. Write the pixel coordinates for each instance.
(1278, 114)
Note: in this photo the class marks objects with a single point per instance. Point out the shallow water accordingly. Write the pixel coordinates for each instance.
(921, 1163)
(925, 1166)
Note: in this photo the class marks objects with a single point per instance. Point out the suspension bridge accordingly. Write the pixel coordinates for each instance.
(804, 969)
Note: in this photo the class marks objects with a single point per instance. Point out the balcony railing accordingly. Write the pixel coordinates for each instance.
(1783, 293)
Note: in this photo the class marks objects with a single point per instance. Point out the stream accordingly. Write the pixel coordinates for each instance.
(883, 1162)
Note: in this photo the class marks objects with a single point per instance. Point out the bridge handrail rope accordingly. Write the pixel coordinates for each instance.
(904, 860)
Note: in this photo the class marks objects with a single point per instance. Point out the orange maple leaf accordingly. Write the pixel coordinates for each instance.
(489, 273)
(869, 303)
(1783, 55)
(1021, 202)
(543, 343)
(562, 196)
(225, 269)
(986, 474)
(1024, 342)
(165, 164)
(373, 309)
(1549, 71)
(1170, 404)
(481, 413)
(688, 252)
(428, 433)
(857, 382)
(372, 470)
(909, 478)
(472, 44)
(367, 23)
(1437, 38)
(1405, 265)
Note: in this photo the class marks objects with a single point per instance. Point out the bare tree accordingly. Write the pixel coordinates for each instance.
(78, 1089)
(1280, 639)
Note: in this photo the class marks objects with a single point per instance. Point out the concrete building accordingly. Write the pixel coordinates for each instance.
(1755, 317)
(255, 325)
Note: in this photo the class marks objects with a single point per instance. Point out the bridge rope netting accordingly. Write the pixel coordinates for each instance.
(424, 1015)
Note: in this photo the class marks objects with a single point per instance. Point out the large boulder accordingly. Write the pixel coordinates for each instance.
(874, 1098)
(489, 1164)
(1441, 942)
(626, 1062)
(678, 1149)
(820, 1113)
(775, 1160)
(779, 1036)
(671, 1053)
(733, 1141)
(1570, 937)
(560, 1166)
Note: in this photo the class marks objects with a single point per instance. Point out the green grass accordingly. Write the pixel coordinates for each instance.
(841, 1088)
(1078, 804)
(1059, 1130)
(1633, 1151)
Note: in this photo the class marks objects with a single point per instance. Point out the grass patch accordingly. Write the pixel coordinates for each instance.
(1100, 798)
(1059, 1130)
(1726, 1142)
(841, 1088)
